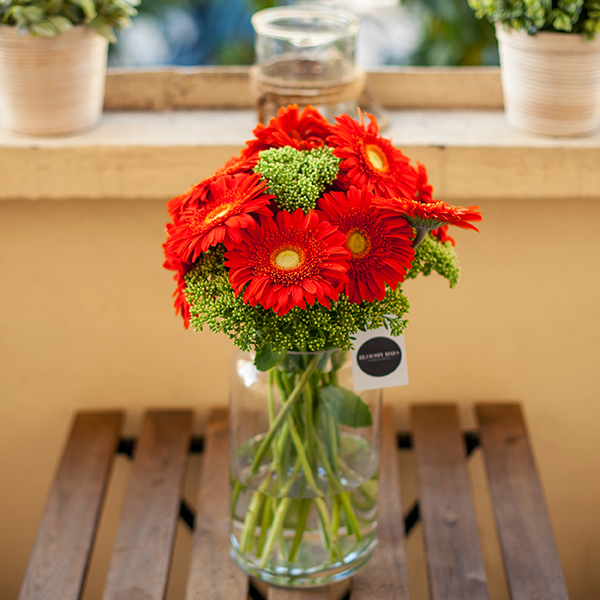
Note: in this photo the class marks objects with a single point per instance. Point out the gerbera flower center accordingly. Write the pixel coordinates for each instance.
(287, 258)
(376, 157)
(218, 213)
(357, 242)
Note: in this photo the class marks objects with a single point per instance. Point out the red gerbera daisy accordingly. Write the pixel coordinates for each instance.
(199, 192)
(230, 204)
(369, 160)
(424, 191)
(288, 261)
(381, 250)
(181, 304)
(434, 213)
(301, 130)
(425, 217)
(441, 234)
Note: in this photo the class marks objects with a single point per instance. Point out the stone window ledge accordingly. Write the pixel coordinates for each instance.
(470, 153)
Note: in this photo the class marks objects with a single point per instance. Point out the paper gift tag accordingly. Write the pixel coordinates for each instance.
(379, 360)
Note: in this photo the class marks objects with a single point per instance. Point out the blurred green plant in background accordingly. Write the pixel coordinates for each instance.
(445, 32)
(452, 36)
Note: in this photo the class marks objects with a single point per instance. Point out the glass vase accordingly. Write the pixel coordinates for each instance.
(306, 55)
(304, 462)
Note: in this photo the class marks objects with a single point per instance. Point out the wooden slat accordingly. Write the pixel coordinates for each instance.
(335, 591)
(276, 593)
(213, 576)
(532, 564)
(454, 560)
(386, 576)
(60, 555)
(140, 562)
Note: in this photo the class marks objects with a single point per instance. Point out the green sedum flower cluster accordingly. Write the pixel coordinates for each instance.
(433, 255)
(213, 304)
(47, 18)
(298, 178)
(570, 16)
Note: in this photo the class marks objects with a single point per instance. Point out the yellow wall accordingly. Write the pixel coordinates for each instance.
(86, 322)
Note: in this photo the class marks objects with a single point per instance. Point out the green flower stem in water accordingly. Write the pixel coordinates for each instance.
(335, 519)
(237, 490)
(333, 439)
(308, 472)
(271, 398)
(304, 433)
(361, 504)
(305, 504)
(330, 535)
(280, 513)
(308, 417)
(257, 498)
(266, 443)
(343, 494)
(253, 511)
(266, 520)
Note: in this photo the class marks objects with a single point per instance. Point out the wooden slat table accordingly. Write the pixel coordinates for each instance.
(143, 549)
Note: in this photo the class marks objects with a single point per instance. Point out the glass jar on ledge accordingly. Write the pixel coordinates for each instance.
(304, 462)
(306, 55)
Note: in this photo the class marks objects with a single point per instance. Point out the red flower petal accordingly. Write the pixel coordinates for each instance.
(301, 130)
(436, 212)
(380, 249)
(198, 193)
(441, 233)
(231, 202)
(369, 160)
(287, 262)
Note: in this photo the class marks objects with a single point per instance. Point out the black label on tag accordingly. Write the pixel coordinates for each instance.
(379, 356)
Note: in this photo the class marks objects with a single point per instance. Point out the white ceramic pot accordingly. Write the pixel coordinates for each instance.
(550, 81)
(52, 86)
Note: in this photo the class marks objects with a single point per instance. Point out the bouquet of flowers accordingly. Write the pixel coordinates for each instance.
(291, 249)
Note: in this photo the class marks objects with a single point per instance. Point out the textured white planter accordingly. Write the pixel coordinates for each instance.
(550, 81)
(52, 86)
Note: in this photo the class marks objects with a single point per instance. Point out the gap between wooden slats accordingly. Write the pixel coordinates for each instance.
(454, 560)
(140, 562)
(532, 564)
(385, 576)
(60, 555)
(213, 575)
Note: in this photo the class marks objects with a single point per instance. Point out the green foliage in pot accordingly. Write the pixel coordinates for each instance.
(567, 16)
(46, 18)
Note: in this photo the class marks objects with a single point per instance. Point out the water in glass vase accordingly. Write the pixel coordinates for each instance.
(293, 530)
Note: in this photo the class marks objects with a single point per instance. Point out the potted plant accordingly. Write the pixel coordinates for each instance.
(53, 62)
(550, 63)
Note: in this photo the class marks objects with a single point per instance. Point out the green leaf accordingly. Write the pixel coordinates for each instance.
(338, 359)
(62, 24)
(104, 29)
(27, 14)
(347, 408)
(88, 8)
(53, 7)
(266, 358)
(43, 29)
